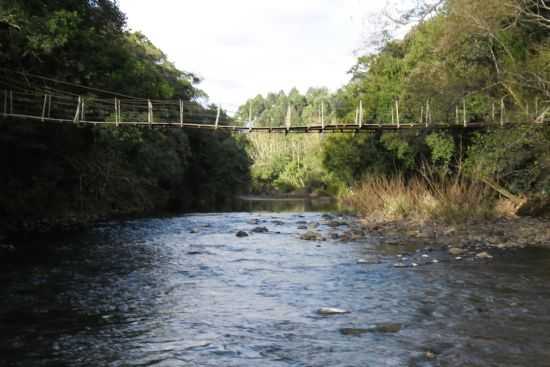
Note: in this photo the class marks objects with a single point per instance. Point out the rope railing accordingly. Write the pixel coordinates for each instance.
(23, 101)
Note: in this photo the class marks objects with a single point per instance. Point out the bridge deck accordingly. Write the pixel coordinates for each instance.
(330, 128)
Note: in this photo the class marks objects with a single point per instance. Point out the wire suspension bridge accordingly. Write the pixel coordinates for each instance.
(22, 100)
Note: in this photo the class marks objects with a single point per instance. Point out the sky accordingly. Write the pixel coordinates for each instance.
(242, 48)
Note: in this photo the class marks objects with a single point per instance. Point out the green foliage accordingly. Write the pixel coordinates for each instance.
(442, 148)
(519, 158)
(350, 158)
(70, 171)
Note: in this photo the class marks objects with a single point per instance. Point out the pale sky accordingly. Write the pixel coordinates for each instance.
(241, 48)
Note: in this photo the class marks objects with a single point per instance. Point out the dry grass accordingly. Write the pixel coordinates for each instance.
(428, 197)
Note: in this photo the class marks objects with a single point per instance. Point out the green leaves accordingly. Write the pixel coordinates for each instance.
(442, 148)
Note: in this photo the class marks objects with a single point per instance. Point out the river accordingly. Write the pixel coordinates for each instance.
(185, 291)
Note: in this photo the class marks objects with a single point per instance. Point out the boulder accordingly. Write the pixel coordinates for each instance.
(242, 234)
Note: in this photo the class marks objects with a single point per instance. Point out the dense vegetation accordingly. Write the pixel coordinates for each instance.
(68, 173)
(467, 60)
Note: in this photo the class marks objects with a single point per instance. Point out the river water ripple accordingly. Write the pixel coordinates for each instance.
(152, 293)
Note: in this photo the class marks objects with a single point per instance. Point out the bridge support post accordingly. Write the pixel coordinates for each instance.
(116, 112)
(77, 113)
(82, 110)
(464, 112)
(181, 113)
(397, 113)
(360, 114)
(323, 117)
(428, 113)
(44, 107)
(218, 117)
(150, 113)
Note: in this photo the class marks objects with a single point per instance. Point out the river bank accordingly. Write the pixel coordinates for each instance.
(473, 241)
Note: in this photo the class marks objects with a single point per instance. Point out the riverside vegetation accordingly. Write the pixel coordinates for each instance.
(480, 54)
(63, 175)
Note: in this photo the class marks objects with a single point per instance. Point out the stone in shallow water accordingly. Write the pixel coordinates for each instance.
(455, 251)
(378, 328)
(484, 255)
(311, 236)
(369, 260)
(332, 311)
(260, 230)
(242, 234)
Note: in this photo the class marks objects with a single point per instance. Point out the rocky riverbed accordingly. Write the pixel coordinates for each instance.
(474, 241)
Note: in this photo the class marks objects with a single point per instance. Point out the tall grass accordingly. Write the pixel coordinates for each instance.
(429, 196)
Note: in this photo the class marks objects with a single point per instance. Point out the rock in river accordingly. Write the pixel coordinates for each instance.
(326, 311)
(455, 251)
(379, 328)
(312, 236)
(260, 230)
(242, 234)
(484, 255)
(369, 260)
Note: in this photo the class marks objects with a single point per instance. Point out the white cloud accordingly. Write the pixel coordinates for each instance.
(245, 47)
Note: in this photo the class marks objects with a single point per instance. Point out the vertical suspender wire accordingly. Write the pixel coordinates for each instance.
(116, 112)
(181, 113)
(323, 116)
(77, 113)
(464, 112)
(218, 117)
(44, 107)
(397, 113)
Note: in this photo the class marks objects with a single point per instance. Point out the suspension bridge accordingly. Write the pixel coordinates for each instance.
(23, 100)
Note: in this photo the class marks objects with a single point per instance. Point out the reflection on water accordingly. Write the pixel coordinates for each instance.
(186, 291)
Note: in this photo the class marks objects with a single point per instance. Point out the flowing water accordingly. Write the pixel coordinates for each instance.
(185, 291)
